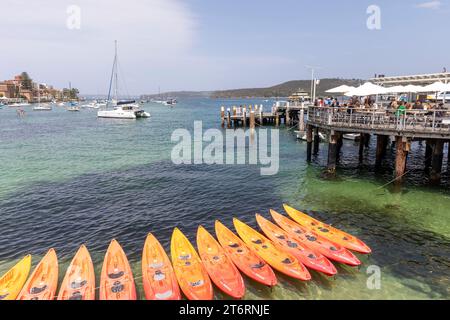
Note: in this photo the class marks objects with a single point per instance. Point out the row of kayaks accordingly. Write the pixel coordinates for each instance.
(289, 246)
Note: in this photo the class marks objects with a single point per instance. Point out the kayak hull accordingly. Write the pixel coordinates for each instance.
(192, 276)
(219, 266)
(159, 280)
(116, 282)
(329, 249)
(14, 279)
(79, 281)
(280, 260)
(43, 281)
(310, 258)
(338, 236)
(245, 259)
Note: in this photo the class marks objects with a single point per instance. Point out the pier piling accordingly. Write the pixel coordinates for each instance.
(252, 120)
(316, 141)
(436, 161)
(402, 145)
(222, 116)
(301, 120)
(287, 120)
(428, 153)
(228, 118)
(309, 138)
(382, 142)
(361, 147)
(332, 148)
(340, 143)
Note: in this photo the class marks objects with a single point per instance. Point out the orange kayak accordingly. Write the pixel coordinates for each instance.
(340, 237)
(220, 268)
(79, 282)
(308, 257)
(273, 254)
(191, 274)
(245, 259)
(43, 281)
(316, 242)
(160, 282)
(116, 281)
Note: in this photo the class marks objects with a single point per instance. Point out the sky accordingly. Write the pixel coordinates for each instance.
(222, 44)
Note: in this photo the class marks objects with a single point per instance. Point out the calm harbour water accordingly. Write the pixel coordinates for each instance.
(70, 178)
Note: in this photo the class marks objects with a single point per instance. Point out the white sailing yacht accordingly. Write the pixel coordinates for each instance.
(44, 106)
(120, 109)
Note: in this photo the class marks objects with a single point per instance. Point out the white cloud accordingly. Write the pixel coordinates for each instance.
(434, 5)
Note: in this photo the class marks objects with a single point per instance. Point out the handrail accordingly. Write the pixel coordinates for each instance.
(434, 120)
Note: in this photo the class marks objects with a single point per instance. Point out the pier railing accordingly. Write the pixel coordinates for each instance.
(407, 121)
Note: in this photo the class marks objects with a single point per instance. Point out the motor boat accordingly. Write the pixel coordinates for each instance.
(42, 107)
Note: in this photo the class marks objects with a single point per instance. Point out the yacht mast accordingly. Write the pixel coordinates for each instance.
(115, 70)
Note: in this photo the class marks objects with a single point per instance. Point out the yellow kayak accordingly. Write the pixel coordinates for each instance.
(12, 281)
(275, 256)
(189, 270)
(340, 237)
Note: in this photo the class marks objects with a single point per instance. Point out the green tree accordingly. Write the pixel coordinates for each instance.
(26, 82)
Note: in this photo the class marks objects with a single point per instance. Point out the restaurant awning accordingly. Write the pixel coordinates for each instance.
(367, 89)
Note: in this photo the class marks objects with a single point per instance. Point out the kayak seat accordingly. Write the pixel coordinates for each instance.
(116, 275)
(311, 238)
(240, 250)
(117, 287)
(332, 248)
(259, 241)
(159, 275)
(197, 283)
(185, 257)
(187, 263)
(286, 261)
(281, 237)
(264, 247)
(77, 284)
(76, 296)
(3, 296)
(216, 258)
(292, 244)
(234, 245)
(311, 256)
(36, 290)
(258, 265)
(345, 238)
(298, 231)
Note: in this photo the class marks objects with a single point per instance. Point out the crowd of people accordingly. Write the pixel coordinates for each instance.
(399, 106)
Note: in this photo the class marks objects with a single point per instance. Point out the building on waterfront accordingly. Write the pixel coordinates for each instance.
(21, 87)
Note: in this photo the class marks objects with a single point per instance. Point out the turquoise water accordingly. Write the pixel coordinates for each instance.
(70, 178)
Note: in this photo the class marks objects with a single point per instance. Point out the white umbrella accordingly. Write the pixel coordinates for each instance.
(367, 89)
(436, 87)
(410, 88)
(396, 89)
(341, 89)
(3, 98)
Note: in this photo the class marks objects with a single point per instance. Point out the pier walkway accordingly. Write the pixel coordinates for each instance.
(399, 127)
(403, 127)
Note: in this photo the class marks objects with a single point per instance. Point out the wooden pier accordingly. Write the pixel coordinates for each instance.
(400, 128)
(253, 115)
